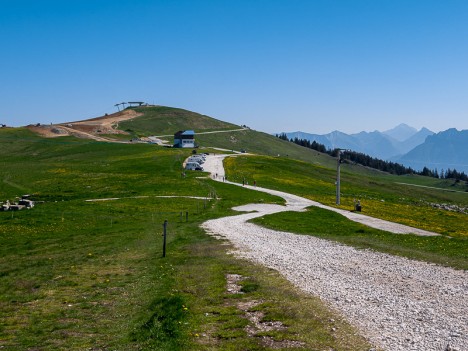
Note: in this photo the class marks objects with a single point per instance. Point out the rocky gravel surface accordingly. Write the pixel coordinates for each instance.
(399, 304)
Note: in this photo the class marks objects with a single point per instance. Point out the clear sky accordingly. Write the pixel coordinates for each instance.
(274, 65)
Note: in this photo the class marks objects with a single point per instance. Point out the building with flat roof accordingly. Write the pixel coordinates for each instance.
(184, 138)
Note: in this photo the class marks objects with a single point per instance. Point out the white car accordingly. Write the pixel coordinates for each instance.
(193, 166)
(198, 160)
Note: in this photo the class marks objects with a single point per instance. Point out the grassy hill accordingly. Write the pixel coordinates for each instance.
(163, 120)
(383, 195)
(77, 274)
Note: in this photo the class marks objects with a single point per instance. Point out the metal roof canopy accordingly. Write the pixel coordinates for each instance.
(188, 132)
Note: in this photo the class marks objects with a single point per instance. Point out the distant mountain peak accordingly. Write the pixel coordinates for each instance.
(401, 132)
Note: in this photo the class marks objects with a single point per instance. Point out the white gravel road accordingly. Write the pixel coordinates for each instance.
(399, 304)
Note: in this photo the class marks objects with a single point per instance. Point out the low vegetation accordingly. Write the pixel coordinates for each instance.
(78, 274)
(162, 120)
(381, 195)
(329, 225)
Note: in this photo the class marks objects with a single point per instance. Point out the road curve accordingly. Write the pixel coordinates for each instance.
(214, 165)
(399, 304)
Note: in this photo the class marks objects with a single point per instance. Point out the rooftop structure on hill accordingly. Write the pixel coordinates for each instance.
(130, 104)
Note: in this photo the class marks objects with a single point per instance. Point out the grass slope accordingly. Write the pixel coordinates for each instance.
(329, 225)
(264, 144)
(78, 275)
(163, 120)
(381, 196)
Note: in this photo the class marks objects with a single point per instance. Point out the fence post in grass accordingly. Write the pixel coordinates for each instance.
(164, 235)
(186, 216)
(181, 216)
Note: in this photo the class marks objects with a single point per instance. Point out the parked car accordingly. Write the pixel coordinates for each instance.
(198, 160)
(193, 166)
(199, 156)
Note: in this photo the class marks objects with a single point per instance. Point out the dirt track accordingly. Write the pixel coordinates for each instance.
(89, 129)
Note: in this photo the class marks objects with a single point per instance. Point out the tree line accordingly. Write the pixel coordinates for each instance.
(372, 162)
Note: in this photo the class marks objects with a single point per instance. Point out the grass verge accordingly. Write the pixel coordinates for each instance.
(326, 224)
(379, 193)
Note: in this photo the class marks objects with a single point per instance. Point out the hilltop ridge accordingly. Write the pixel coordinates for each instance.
(140, 123)
(134, 122)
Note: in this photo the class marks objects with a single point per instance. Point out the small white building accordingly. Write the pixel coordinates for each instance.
(184, 138)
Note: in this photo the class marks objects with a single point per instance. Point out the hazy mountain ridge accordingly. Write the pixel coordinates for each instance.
(401, 132)
(403, 144)
(387, 145)
(416, 139)
(441, 151)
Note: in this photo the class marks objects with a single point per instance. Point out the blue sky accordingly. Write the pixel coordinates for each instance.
(315, 66)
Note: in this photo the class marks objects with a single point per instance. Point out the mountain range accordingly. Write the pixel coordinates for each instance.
(403, 144)
(444, 150)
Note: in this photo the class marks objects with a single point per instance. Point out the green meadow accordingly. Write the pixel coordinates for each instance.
(381, 195)
(78, 274)
(81, 274)
(163, 120)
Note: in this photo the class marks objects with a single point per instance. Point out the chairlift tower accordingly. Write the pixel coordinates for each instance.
(338, 180)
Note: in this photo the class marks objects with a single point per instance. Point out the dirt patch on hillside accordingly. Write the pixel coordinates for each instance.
(257, 325)
(95, 128)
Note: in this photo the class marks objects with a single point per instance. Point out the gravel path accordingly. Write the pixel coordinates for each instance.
(399, 304)
(214, 165)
